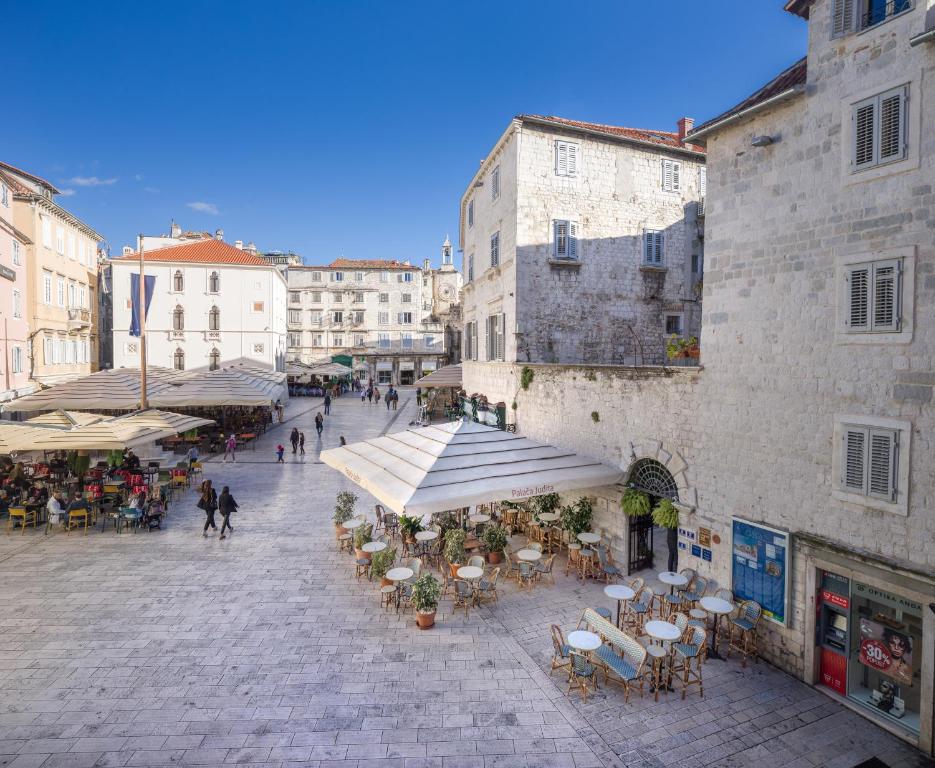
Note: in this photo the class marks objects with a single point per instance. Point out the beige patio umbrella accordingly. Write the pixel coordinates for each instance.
(16, 436)
(461, 463)
(448, 376)
(213, 388)
(66, 419)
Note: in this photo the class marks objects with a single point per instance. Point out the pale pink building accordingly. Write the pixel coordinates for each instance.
(14, 325)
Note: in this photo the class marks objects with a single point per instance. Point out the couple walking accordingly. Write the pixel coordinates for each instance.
(298, 441)
(210, 502)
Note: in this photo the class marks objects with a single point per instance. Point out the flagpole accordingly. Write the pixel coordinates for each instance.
(142, 316)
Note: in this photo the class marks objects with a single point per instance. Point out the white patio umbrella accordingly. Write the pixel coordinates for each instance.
(449, 466)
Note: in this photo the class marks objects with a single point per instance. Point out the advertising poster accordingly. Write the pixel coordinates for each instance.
(886, 650)
(760, 561)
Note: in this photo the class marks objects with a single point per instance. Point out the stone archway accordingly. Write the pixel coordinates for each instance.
(674, 464)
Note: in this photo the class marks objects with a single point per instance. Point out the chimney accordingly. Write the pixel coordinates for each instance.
(127, 250)
(174, 229)
(219, 234)
(685, 126)
(238, 244)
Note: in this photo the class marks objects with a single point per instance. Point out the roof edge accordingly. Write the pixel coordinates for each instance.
(789, 93)
(798, 7)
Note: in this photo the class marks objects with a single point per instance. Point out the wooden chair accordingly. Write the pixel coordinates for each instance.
(581, 674)
(687, 658)
(639, 609)
(742, 630)
(487, 587)
(544, 568)
(25, 517)
(464, 596)
(75, 517)
(574, 552)
(560, 649)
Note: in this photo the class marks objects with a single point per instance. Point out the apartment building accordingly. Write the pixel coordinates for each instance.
(61, 295)
(212, 303)
(14, 287)
(582, 243)
(371, 310)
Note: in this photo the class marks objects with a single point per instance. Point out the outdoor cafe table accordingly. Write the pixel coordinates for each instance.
(479, 518)
(619, 592)
(472, 574)
(662, 631)
(398, 576)
(424, 537)
(719, 608)
(529, 555)
(350, 525)
(374, 546)
(673, 580)
(589, 538)
(582, 640)
(549, 517)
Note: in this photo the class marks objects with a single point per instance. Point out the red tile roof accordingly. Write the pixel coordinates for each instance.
(200, 252)
(646, 136)
(795, 75)
(37, 179)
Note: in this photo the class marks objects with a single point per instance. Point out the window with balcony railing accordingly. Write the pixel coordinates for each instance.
(877, 11)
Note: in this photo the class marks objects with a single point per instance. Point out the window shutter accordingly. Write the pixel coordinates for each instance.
(864, 134)
(572, 240)
(858, 298)
(666, 174)
(501, 351)
(703, 182)
(854, 459)
(658, 248)
(572, 159)
(676, 176)
(561, 158)
(886, 296)
(487, 338)
(892, 146)
(882, 464)
(560, 239)
(842, 17)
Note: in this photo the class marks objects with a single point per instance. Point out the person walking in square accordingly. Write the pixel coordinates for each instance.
(280, 450)
(376, 395)
(226, 505)
(294, 439)
(319, 424)
(302, 443)
(395, 398)
(230, 447)
(208, 501)
(370, 394)
(389, 397)
(327, 404)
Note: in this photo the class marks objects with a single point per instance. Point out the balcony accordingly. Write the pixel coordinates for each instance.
(78, 319)
(880, 10)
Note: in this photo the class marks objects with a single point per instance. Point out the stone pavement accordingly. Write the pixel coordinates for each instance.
(168, 648)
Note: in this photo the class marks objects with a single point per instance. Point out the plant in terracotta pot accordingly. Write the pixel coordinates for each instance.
(495, 538)
(425, 593)
(666, 515)
(547, 502)
(634, 503)
(362, 535)
(380, 563)
(410, 526)
(576, 518)
(343, 509)
(454, 550)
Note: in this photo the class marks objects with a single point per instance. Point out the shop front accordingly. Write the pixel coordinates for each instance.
(873, 644)
(384, 372)
(407, 369)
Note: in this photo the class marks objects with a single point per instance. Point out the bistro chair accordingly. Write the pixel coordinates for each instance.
(742, 630)
(680, 620)
(635, 584)
(608, 571)
(581, 674)
(585, 563)
(672, 602)
(387, 596)
(560, 649)
(25, 517)
(511, 563)
(362, 567)
(574, 552)
(687, 657)
(536, 545)
(487, 587)
(464, 596)
(639, 609)
(725, 594)
(696, 591)
(378, 510)
(544, 568)
(445, 579)
(477, 561)
(75, 517)
(604, 613)
(623, 657)
(688, 573)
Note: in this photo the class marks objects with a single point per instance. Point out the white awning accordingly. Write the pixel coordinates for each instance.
(428, 366)
(454, 465)
(384, 365)
(449, 376)
(407, 365)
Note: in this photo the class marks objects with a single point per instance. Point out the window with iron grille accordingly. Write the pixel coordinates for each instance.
(879, 129)
(874, 291)
(851, 15)
(651, 477)
(214, 319)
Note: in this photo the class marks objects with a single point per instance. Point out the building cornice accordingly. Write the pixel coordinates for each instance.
(780, 98)
(52, 207)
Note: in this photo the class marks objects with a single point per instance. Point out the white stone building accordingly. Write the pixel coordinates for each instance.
(582, 243)
(212, 303)
(370, 309)
(442, 288)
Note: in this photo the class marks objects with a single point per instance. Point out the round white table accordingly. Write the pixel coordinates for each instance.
(470, 572)
(398, 576)
(661, 631)
(719, 607)
(589, 538)
(673, 580)
(350, 525)
(529, 555)
(426, 535)
(581, 640)
(619, 592)
(480, 518)
(374, 546)
(549, 517)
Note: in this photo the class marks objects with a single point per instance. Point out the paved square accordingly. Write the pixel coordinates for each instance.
(167, 648)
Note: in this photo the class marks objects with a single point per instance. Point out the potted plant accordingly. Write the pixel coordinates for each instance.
(343, 509)
(425, 593)
(495, 538)
(410, 526)
(547, 502)
(635, 503)
(454, 550)
(380, 563)
(576, 518)
(362, 535)
(679, 349)
(666, 515)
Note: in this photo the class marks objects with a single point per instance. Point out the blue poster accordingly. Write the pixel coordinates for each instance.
(760, 558)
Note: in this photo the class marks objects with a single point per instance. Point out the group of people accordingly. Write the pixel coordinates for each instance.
(210, 502)
(297, 438)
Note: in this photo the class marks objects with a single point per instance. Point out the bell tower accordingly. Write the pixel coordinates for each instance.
(447, 260)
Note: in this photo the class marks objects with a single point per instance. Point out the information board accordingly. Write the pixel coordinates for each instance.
(760, 567)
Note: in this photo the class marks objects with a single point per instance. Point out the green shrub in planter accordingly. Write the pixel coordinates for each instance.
(547, 502)
(410, 526)
(495, 538)
(381, 562)
(665, 514)
(425, 593)
(344, 507)
(362, 535)
(454, 546)
(576, 518)
(635, 503)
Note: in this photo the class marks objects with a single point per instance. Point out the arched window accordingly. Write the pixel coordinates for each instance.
(652, 477)
(178, 281)
(214, 360)
(178, 319)
(214, 282)
(178, 359)
(214, 319)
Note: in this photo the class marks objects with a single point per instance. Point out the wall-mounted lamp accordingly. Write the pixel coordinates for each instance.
(761, 141)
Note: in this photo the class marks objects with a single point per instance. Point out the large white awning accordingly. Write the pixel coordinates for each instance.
(449, 376)
(455, 465)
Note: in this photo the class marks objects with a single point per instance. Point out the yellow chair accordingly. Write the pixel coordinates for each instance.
(75, 517)
(197, 468)
(25, 516)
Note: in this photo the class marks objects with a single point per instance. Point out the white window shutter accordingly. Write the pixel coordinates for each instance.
(560, 239)
(854, 459)
(703, 181)
(842, 17)
(572, 159)
(561, 158)
(572, 240)
(892, 125)
(487, 338)
(881, 464)
(676, 176)
(886, 283)
(865, 139)
(858, 298)
(666, 175)
(474, 350)
(502, 337)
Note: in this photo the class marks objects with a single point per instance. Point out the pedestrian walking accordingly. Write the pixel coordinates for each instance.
(327, 404)
(230, 447)
(280, 450)
(370, 394)
(192, 456)
(302, 443)
(389, 397)
(226, 504)
(319, 424)
(208, 501)
(363, 396)
(343, 441)
(395, 398)
(376, 395)
(294, 439)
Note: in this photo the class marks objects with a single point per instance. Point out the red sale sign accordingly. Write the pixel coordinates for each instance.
(886, 650)
(873, 654)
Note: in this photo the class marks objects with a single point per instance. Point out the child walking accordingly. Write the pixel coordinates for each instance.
(280, 450)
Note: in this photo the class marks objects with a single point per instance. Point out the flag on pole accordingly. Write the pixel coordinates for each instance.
(135, 300)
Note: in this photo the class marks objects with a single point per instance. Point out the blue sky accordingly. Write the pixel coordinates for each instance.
(344, 127)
